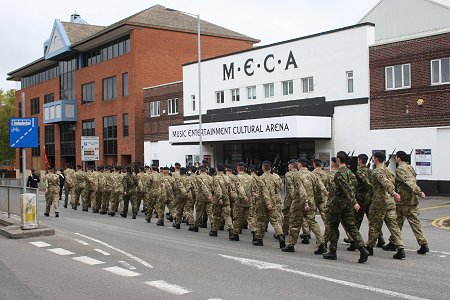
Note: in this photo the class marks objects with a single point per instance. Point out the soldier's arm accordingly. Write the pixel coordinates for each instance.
(364, 180)
(346, 188)
(301, 191)
(385, 182)
(402, 176)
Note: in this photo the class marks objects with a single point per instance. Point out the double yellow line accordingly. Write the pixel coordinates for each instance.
(439, 223)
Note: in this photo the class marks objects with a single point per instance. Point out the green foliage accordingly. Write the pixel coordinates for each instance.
(7, 109)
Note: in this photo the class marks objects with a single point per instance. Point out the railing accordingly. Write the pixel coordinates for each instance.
(11, 182)
(10, 199)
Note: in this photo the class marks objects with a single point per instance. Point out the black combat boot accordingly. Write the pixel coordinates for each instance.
(352, 246)
(235, 237)
(363, 255)
(184, 220)
(275, 236)
(85, 209)
(288, 248)
(389, 247)
(381, 241)
(222, 227)
(65, 205)
(321, 250)
(46, 214)
(423, 249)
(213, 233)
(400, 254)
(103, 212)
(281, 241)
(195, 228)
(123, 214)
(112, 214)
(95, 211)
(56, 214)
(191, 228)
(370, 250)
(254, 236)
(230, 234)
(258, 242)
(330, 255)
(204, 225)
(148, 219)
(160, 223)
(305, 240)
(134, 216)
(347, 240)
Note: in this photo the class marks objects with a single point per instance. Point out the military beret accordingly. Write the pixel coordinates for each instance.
(183, 170)
(252, 168)
(402, 155)
(193, 169)
(229, 166)
(205, 162)
(147, 167)
(293, 161)
(166, 168)
(266, 162)
(177, 164)
(317, 161)
(220, 167)
(241, 164)
(303, 160)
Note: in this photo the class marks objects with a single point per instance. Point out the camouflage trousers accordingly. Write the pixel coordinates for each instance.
(342, 212)
(127, 198)
(69, 191)
(106, 199)
(116, 199)
(261, 215)
(377, 214)
(222, 211)
(320, 207)
(150, 200)
(52, 198)
(189, 210)
(242, 214)
(78, 193)
(98, 200)
(88, 198)
(411, 213)
(210, 212)
(286, 211)
(179, 206)
(160, 207)
(200, 210)
(296, 213)
(310, 219)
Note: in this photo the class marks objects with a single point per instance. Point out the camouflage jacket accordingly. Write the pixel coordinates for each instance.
(290, 188)
(245, 189)
(364, 189)
(383, 187)
(154, 183)
(270, 187)
(321, 182)
(222, 188)
(167, 187)
(298, 190)
(80, 177)
(141, 181)
(91, 181)
(109, 182)
(51, 183)
(312, 186)
(101, 181)
(193, 186)
(204, 185)
(331, 186)
(70, 181)
(130, 183)
(234, 181)
(118, 182)
(345, 182)
(261, 198)
(406, 184)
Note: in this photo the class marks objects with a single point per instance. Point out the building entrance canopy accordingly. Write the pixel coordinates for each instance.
(254, 129)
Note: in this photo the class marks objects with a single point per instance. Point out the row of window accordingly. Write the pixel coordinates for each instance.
(39, 77)
(110, 51)
(172, 107)
(109, 89)
(399, 76)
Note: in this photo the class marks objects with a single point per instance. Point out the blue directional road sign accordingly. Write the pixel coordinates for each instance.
(23, 132)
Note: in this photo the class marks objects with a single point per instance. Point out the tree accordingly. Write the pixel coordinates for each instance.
(7, 109)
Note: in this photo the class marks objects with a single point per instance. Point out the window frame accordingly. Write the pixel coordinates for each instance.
(125, 125)
(193, 102)
(84, 90)
(269, 90)
(112, 90)
(403, 86)
(287, 87)
(251, 92)
(309, 85)
(171, 106)
(439, 60)
(235, 95)
(349, 78)
(220, 97)
(34, 106)
(125, 89)
(152, 109)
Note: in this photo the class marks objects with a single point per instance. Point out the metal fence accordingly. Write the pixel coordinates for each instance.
(10, 199)
(11, 182)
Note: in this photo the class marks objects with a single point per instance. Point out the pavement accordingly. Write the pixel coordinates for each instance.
(96, 256)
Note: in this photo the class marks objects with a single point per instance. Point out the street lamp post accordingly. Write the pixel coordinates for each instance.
(200, 137)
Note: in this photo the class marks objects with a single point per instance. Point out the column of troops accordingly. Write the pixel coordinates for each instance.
(242, 199)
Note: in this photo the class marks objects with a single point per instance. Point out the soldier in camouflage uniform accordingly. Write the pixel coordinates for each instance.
(51, 186)
(314, 189)
(90, 189)
(292, 168)
(182, 186)
(69, 185)
(117, 190)
(221, 206)
(266, 202)
(107, 189)
(331, 188)
(406, 186)
(242, 206)
(204, 196)
(141, 176)
(152, 190)
(341, 210)
(100, 189)
(278, 187)
(189, 207)
(80, 185)
(233, 191)
(167, 195)
(320, 199)
(130, 184)
(383, 207)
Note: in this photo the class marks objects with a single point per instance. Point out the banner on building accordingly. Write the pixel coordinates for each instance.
(423, 161)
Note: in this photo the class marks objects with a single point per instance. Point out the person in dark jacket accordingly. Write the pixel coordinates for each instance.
(62, 180)
(33, 180)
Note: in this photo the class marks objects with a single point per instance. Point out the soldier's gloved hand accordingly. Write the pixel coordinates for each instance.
(422, 195)
(245, 199)
(356, 207)
(397, 197)
(327, 193)
(255, 194)
(307, 208)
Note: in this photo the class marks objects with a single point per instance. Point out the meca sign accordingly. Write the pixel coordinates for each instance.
(268, 64)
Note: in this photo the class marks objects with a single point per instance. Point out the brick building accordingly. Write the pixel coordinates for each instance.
(90, 80)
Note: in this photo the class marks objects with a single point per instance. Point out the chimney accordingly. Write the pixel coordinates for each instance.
(74, 18)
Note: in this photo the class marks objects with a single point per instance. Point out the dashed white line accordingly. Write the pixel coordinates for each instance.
(102, 252)
(121, 271)
(40, 244)
(167, 287)
(143, 262)
(82, 242)
(127, 265)
(60, 251)
(88, 260)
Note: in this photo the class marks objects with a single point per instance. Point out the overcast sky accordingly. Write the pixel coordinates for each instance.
(26, 24)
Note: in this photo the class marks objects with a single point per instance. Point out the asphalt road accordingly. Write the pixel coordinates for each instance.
(96, 256)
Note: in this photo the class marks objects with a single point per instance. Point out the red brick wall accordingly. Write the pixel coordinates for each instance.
(398, 108)
(157, 128)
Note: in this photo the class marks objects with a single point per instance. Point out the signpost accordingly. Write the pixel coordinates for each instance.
(90, 148)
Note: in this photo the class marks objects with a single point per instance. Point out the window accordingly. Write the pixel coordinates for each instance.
(36, 152)
(220, 97)
(35, 106)
(49, 140)
(88, 93)
(172, 105)
(398, 77)
(235, 95)
(110, 88)
(349, 75)
(110, 135)
(67, 139)
(288, 87)
(251, 92)
(88, 128)
(125, 84)
(155, 109)
(108, 51)
(440, 71)
(125, 125)
(308, 85)
(193, 102)
(49, 98)
(268, 90)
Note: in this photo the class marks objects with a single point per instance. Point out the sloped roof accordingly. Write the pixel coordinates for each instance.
(77, 32)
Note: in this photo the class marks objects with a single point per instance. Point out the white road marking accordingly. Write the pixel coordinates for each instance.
(167, 287)
(443, 256)
(266, 265)
(40, 244)
(82, 242)
(60, 251)
(88, 260)
(126, 265)
(431, 251)
(215, 299)
(122, 272)
(102, 252)
(143, 262)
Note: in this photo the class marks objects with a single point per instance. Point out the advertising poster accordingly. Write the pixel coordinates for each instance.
(423, 161)
(325, 158)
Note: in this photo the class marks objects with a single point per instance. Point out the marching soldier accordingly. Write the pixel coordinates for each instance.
(140, 192)
(117, 190)
(331, 188)
(290, 191)
(90, 190)
(183, 189)
(80, 185)
(204, 196)
(383, 207)
(130, 184)
(107, 190)
(221, 205)
(100, 189)
(319, 198)
(153, 190)
(69, 185)
(51, 185)
(189, 208)
(341, 210)
(242, 206)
